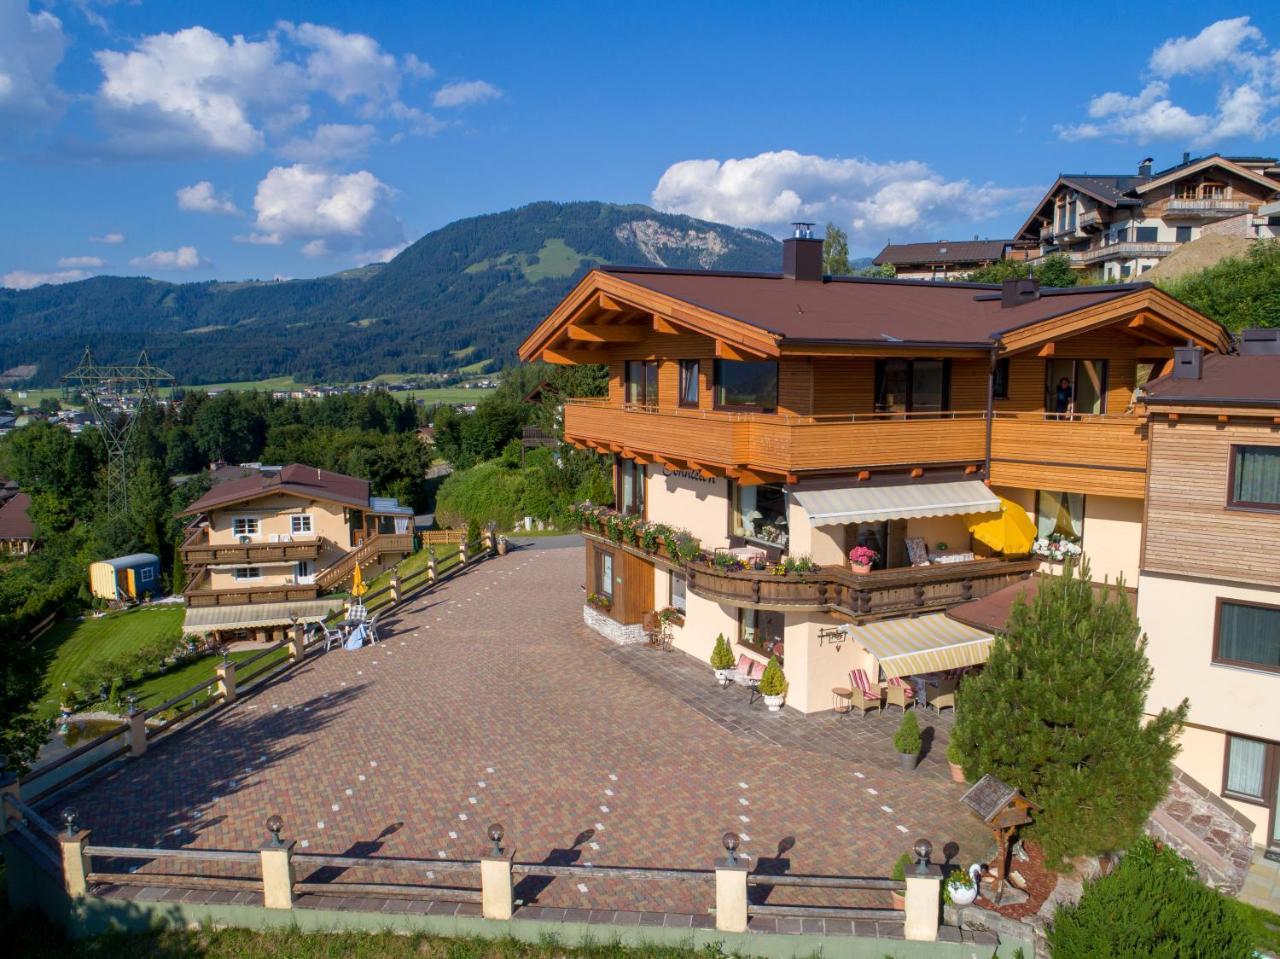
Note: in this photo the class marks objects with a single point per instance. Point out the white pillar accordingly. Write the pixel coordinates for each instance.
(137, 734)
(923, 904)
(731, 895)
(277, 875)
(496, 887)
(226, 673)
(75, 864)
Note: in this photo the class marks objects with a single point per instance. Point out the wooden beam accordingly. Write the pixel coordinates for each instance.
(1174, 417)
(1154, 352)
(595, 333)
(706, 472)
(607, 303)
(672, 463)
(663, 325)
(1046, 350)
(570, 357)
(727, 351)
(1224, 418)
(917, 472)
(970, 470)
(864, 475)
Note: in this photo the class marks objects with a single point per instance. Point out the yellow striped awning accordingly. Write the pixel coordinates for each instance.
(926, 644)
(205, 619)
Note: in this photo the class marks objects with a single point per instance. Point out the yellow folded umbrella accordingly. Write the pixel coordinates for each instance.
(358, 588)
(1011, 533)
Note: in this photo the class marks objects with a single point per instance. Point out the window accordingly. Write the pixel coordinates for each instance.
(642, 382)
(1246, 768)
(629, 494)
(247, 572)
(689, 370)
(760, 630)
(1248, 635)
(750, 383)
(1075, 386)
(1061, 513)
(1146, 234)
(1126, 271)
(146, 574)
(604, 574)
(245, 526)
(300, 523)
(760, 513)
(678, 584)
(1000, 379)
(1255, 477)
(304, 569)
(1182, 234)
(913, 386)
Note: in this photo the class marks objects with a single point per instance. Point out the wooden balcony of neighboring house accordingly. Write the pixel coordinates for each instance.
(199, 593)
(196, 550)
(1091, 220)
(532, 437)
(1126, 250)
(718, 442)
(1190, 207)
(1084, 453)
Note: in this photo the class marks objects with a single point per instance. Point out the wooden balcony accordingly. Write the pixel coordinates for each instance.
(778, 444)
(1103, 455)
(198, 593)
(1126, 250)
(1205, 207)
(198, 551)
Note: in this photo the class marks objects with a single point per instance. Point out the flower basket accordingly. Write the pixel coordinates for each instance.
(861, 559)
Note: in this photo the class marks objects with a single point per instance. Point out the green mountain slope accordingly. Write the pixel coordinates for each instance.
(478, 284)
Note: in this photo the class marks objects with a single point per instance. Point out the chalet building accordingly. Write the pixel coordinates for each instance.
(263, 550)
(796, 416)
(1209, 593)
(944, 260)
(1114, 227)
(17, 531)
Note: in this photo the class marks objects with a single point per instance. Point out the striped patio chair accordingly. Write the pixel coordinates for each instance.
(865, 696)
(899, 693)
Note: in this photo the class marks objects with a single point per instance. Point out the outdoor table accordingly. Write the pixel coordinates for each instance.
(841, 699)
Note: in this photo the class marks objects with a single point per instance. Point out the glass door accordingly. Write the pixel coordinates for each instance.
(1075, 387)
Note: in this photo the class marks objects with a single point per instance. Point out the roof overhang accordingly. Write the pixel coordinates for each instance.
(286, 490)
(1207, 163)
(1058, 184)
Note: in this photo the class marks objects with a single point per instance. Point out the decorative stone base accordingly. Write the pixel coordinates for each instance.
(611, 629)
(1199, 825)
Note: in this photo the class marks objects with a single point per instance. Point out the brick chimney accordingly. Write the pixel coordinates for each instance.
(802, 254)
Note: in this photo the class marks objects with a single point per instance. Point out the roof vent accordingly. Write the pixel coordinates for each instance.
(1187, 361)
(1144, 168)
(1260, 342)
(1186, 156)
(1019, 290)
(802, 254)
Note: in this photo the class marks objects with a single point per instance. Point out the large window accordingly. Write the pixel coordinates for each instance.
(1248, 635)
(1246, 768)
(1061, 513)
(747, 383)
(913, 386)
(679, 588)
(642, 382)
(760, 513)
(1255, 477)
(603, 574)
(689, 386)
(1075, 386)
(1146, 234)
(1000, 379)
(760, 630)
(245, 526)
(247, 572)
(630, 491)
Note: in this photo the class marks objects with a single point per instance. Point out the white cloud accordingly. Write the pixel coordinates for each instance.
(772, 189)
(183, 258)
(381, 256)
(330, 141)
(344, 210)
(31, 47)
(315, 248)
(112, 239)
(416, 68)
(26, 280)
(1217, 44)
(346, 65)
(465, 92)
(82, 262)
(201, 198)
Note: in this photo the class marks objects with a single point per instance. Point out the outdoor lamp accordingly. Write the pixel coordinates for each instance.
(133, 704)
(923, 850)
(730, 842)
(69, 816)
(274, 825)
(496, 832)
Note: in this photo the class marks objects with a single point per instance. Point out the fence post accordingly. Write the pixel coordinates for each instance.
(277, 868)
(431, 564)
(731, 887)
(923, 896)
(462, 551)
(75, 862)
(10, 792)
(297, 643)
(226, 673)
(395, 589)
(137, 729)
(496, 888)
(490, 541)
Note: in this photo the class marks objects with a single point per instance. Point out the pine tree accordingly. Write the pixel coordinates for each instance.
(835, 252)
(1058, 712)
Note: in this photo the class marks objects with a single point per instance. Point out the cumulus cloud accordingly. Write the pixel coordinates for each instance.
(31, 47)
(82, 262)
(1234, 51)
(111, 239)
(416, 68)
(464, 93)
(183, 258)
(26, 280)
(330, 141)
(201, 198)
(772, 189)
(346, 65)
(328, 211)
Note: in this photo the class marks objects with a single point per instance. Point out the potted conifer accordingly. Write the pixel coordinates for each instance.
(900, 874)
(722, 660)
(953, 761)
(907, 741)
(773, 685)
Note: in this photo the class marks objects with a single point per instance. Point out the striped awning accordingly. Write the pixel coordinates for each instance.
(863, 504)
(205, 619)
(926, 644)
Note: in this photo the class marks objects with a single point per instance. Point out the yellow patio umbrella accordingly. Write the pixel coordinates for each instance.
(358, 588)
(1011, 533)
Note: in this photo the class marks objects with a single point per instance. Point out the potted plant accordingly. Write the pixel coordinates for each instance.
(907, 740)
(861, 559)
(961, 888)
(722, 660)
(953, 760)
(900, 874)
(773, 685)
(600, 602)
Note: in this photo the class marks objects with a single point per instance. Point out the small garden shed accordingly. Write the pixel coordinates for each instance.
(131, 577)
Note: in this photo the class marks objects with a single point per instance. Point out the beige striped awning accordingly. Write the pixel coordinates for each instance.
(205, 619)
(926, 644)
(863, 504)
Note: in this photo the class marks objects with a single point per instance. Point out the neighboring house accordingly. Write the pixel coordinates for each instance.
(944, 260)
(1116, 226)
(264, 548)
(796, 415)
(1209, 594)
(17, 532)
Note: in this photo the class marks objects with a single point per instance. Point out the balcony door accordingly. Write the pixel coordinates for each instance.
(1075, 387)
(642, 383)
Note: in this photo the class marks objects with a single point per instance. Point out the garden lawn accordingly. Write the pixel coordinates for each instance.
(158, 689)
(70, 646)
(447, 557)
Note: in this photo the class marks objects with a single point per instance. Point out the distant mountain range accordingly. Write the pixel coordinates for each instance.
(471, 289)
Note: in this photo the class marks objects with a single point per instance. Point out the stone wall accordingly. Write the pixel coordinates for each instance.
(611, 629)
(1199, 825)
(1241, 225)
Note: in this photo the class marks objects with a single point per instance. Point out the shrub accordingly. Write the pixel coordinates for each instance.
(953, 753)
(484, 493)
(1152, 904)
(907, 739)
(774, 681)
(900, 867)
(721, 654)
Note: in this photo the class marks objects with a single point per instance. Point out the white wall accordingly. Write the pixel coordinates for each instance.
(1112, 533)
(699, 505)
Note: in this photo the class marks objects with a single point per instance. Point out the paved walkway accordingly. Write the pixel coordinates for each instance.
(489, 700)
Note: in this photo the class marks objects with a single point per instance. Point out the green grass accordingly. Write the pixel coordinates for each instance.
(447, 557)
(158, 689)
(71, 646)
(1262, 925)
(556, 259)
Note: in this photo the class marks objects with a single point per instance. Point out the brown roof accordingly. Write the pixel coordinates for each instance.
(991, 612)
(944, 251)
(14, 521)
(299, 480)
(1225, 380)
(865, 310)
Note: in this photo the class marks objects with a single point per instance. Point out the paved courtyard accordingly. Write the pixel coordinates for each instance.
(489, 701)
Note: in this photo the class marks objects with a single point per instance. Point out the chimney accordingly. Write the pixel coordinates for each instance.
(802, 254)
(1260, 342)
(1186, 156)
(1144, 168)
(1187, 361)
(1015, 292)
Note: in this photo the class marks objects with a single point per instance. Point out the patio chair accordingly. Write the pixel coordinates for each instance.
(357, 613)
(747, 672)
(917, 550)
(318, 632)
(865, 696)
(899, 693)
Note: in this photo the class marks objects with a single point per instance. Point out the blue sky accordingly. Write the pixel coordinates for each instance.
(236, 139)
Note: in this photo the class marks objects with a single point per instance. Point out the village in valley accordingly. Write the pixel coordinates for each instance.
(743, 572)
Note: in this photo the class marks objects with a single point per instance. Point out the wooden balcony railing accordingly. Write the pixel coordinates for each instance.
(1087, 453)
(198, 551)
(1124, 249)
(367, 552)
(198, 593)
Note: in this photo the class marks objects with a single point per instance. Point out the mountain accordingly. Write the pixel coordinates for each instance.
(475, 287)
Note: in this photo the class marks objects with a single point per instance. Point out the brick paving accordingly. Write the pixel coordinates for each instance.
(490, 701)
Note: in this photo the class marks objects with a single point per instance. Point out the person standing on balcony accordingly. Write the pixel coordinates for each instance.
(1063, 397)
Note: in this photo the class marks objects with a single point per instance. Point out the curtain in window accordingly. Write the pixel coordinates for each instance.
(1246, 761)
(1249, 634)
(1257, 475)
(688, 382)
(402, 524)
(1060, 513)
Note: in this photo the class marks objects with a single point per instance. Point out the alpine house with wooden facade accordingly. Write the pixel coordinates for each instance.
(963, 434)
